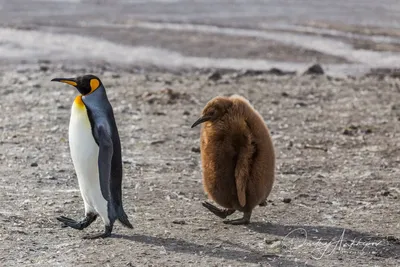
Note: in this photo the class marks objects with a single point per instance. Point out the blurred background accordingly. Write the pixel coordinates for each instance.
(345, 36)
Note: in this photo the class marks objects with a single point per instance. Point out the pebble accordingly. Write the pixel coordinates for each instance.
(287, 200)
(196, 149)
(178, 222)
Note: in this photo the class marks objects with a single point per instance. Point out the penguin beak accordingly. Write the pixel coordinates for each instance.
(201, 120)
(70, 81)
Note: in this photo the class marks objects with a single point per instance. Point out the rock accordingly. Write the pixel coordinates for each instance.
(367, 131)
(44, 61)
(252, 72)
(279, 72)
(396, 106)
(290, 144)
(300, 104)
(276, 71)
(44, 68)
(34, 164)
(303, 195)
(165, 96)
(61, 107)
(351, 130)
(179, 222)
(381, 73)
(196, 149)
(354, 130)
(394, 239)
(270, 241)
(22, 69)
(284, 94)
(156, 142)
(315, 69)
(159, 113)
(273, 71)
(215, 76)
(287, 200)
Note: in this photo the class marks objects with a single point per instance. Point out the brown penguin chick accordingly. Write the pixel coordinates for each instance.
(237, 157)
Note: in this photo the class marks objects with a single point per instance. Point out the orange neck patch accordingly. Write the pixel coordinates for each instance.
(78, 102)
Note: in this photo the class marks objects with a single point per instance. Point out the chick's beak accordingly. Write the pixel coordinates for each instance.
(201, 120)
(70, 81)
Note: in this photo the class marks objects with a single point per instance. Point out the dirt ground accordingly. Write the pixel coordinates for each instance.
(335, 201)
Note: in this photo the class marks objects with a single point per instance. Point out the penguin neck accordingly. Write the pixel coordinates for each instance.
(97, 101)
(78, 102)
(96, 95)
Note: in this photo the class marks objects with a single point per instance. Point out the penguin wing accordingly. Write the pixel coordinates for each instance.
(242, 169)
(105, 143)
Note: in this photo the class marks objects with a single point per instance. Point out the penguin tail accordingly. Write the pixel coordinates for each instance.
(123, 218)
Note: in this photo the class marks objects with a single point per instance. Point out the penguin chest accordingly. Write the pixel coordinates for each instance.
(84, 153)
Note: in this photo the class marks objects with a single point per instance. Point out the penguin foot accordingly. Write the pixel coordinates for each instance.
(241, 221)
(222, 213)
(90, 217)
(96, 236)
(106, 233)
(70, 222)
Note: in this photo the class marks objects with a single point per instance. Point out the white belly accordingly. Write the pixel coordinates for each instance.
(84, 153)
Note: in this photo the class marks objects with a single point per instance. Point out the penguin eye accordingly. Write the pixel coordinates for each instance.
(94, 84)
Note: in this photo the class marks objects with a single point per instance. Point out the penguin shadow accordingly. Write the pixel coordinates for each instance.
(182, 246)
(332, 238)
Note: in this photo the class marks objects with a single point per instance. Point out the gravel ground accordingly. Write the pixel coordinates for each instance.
(335, 201)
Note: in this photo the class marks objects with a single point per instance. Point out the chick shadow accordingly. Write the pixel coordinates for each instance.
(182, 246)
(333, 238)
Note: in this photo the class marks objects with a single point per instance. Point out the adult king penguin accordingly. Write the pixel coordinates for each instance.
(96, 154)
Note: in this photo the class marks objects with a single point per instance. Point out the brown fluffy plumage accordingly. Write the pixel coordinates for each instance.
(237, 155)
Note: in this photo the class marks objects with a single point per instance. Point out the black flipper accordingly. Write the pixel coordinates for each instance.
(115, 208)
(105, 155)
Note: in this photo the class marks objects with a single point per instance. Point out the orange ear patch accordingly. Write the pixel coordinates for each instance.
(94, 84)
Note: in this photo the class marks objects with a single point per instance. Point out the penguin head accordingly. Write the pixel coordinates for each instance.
(215, 109)
(84, 84)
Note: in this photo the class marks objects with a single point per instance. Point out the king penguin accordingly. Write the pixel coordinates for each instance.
(237, 156)
(96, 155)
